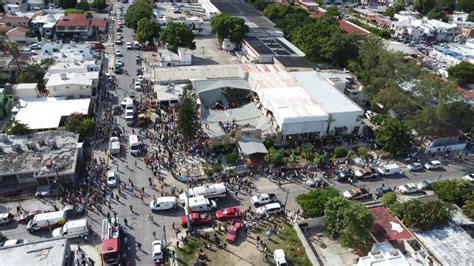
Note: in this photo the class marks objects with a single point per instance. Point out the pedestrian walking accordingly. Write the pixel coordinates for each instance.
(125, 221)
(131, 207)
(173, 226)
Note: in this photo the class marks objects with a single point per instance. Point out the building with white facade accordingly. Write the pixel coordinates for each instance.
(25, 90)
(36, 4)
(385, 254)
(168, 58)
(264, 49)
(72, 85)
(72, 66)
(45, 25)
(67, 51)
(418, 29)
(199, 26)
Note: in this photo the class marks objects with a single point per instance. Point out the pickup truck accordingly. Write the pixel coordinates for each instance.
(366, 172)
(261, 199)
(357, 193)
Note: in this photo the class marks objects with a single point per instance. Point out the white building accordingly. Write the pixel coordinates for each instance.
(36, 4)
(417, 29)
(199, 26)
(346, 83)
(67, 51)
(168, 58)
(72, 85)
(25, 90)
(72, 66)
(385, 254)
(46, 24)
(263, 49)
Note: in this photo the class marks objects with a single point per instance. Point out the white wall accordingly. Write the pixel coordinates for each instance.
(75, 91)
(347, 119)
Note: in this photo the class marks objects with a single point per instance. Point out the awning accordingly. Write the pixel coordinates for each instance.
(249, 146)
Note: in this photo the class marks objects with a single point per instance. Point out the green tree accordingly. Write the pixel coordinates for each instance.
(392, 10)
(313, 203)
(73, 11)
(136, 11)
(395, 99)
(73, 122)
(426, 214)
(187, 117)
(462, 73)
(348, 221)
(308, 152)
(394, 135)
(84, 5)
(457, 114)
(231, 157)
(468, 208)
(15, 127)
(226, 26)
(31, 74)
(176, 35)
(147, 30)
(99, 4)
(470, 18)
(275, 157)
(340, 151)
(465, 5)
(454, 191)
(86, 127)
(437, 13)
(65, 4)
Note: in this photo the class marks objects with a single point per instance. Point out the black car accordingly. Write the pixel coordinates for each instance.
(118, 70)
(139, 71)
(344, 175)
(116, 131)
(117, 110)
(378, 192)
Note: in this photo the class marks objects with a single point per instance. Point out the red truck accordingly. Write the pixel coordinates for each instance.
(111, 243)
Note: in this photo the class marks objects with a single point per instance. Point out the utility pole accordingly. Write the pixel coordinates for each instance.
(286, 199)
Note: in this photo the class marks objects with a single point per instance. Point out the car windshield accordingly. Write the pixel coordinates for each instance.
(232, 232)
(111, 178)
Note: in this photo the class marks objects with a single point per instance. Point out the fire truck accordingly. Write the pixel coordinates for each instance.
(112, 235)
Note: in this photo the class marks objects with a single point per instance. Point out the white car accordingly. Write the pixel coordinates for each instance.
(119, 42)
(163, 203)
(157, 249)
(425, 184)
(15, 242)
(269, 209)
(129, 46)
(140, 78)
(138, 85)
(120, 62)
(469, 177)
(369, 114)
(415, 167)
(112, 178)
(279, 257)
(408, 188)
(119, 36)
(118, 53)
(432, 165)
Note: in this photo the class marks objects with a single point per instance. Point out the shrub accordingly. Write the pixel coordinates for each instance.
(340, 151)
(231, 157)
(362, 151)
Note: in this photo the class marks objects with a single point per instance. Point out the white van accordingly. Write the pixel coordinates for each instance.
(389, 169)
(46, 220)
(134, 145)
(209, 191)
(163, 203)
(201, 204)
(271, 208)
(129, 117)
(72, 229)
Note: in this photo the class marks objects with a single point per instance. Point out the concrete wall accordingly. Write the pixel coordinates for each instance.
(306, 245)
(75, 91)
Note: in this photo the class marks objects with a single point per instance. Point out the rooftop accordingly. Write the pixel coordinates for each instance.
(42, 253)
(241, 9)
(185, 73)
(250, 146)
(387, 227)
(274, 46)
(17, 31)
(72, 79)
(76, 20)
(99, 22)
(25, 86)
(40, 154)
(46, 113)
(350, 27)
(170, 92)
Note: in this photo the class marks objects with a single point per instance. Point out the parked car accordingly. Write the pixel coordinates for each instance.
(233, 231)
(118, 53)
(369, 114)
(378, 192)
(112, 178)
(433, 165)
(425, 184)
(269, 209)
(129, 45)
(120, 63)
(263, 199)
(344, 175)
(415, 167)
(15, 242)
(367, 172)
(469, 177)
(138, 85)
(228, 213)
(279, 257)
(140, 78)
(157, 251)
(408, 188)
(195, 218)
(5, 218)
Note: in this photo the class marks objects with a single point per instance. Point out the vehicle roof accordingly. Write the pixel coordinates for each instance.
(435, 162)
(77, 223)
(272, 205)
(4, 215)
(166, 199)
(133, 138)
(279, 253)
(110, 244)
(48, 215)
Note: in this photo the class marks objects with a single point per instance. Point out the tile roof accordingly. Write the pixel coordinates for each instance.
(352, 28)
(16, 18)
(17, 31)
(387, 227)
(74, 20)
(99, 22)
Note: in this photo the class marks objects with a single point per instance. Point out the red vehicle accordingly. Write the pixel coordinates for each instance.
(27, 216)
(233, 232)
(197, 219)
(111, 241)
(228, 213)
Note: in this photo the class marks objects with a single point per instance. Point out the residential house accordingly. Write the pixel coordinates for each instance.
(10, 21)
(46, 25)
(74, 26)
(25, 90)
(36, 4)
(99, 25)
(8, 66)
(67, 51)
(429, 29)
(15, 6)
(39, 159)
(19, 34)
(72, 85)
(168, 59)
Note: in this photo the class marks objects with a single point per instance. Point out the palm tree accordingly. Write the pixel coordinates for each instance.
(14, 50)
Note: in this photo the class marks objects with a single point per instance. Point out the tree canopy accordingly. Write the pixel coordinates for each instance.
(31, 74)
(99, 4)
(470, 18)
(348, 221)
(426, 214)
(147, 30)
(394, 135)
(65, 4)
(177, 35)
(15, 127)
(81, 124)
(136, 11)
(84, 5)
(454, 191)
(313, 203)
(187, 117)
(230, 27)
(462, 73)
(392, 10)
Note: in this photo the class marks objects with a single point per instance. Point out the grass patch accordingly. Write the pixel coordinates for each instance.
(290, 243)
(188, 253)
